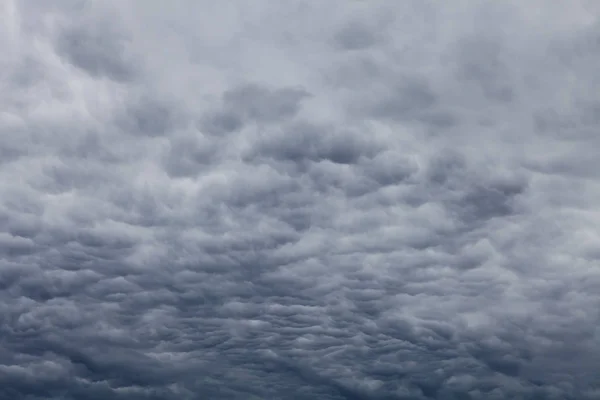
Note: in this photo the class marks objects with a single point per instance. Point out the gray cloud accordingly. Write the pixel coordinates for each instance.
(332, 200)
(96, 45)
(252, 103)
(356, 36)
(481, 61)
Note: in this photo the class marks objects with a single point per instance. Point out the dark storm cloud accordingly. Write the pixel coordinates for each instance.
(336, 201)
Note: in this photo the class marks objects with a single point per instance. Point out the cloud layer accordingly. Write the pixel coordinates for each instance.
(335, 200)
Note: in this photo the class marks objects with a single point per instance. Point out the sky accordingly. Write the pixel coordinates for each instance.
(300, 199)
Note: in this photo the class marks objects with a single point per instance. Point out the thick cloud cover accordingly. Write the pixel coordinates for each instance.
(299, 199)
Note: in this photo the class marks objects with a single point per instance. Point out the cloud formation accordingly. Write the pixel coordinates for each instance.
(336, 200)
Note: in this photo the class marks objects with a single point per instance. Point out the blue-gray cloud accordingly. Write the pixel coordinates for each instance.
(336, 200)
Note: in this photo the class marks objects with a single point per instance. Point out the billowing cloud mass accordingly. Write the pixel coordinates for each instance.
(359, 200)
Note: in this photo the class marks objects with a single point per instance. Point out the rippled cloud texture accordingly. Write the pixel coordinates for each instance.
(332, 199)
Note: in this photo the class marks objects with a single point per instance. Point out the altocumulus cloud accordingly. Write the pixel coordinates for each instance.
(299, 200)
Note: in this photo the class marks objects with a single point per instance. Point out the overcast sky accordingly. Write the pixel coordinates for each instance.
(299, 199)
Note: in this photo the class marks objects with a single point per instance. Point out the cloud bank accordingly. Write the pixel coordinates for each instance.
(311, 200)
